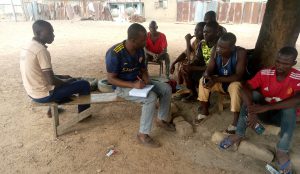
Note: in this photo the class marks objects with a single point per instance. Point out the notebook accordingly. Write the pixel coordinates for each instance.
(141, 92)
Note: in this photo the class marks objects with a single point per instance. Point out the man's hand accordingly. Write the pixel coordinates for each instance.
(139, 84)
(252, 120)
(146, 80)
(208, 81)
(172, 68)
(257, 108)
(188, 37)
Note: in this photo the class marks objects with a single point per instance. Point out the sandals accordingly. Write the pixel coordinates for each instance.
(227, 142)
(285, 168)
(149, 142)
(199, 119)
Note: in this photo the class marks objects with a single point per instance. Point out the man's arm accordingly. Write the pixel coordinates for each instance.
(240, 68)
(145, 75)
(180, 58)
(54, 80)
(113, 79)
(149, 52)
(287, 103)
(163, 52)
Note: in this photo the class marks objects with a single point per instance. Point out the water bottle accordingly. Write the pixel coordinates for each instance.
(271, 169)
(258, 128)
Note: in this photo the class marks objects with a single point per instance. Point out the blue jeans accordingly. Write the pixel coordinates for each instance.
(285, 118)
(160, 90)
(62, 93)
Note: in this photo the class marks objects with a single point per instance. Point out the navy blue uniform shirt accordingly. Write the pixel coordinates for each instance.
(119, 61)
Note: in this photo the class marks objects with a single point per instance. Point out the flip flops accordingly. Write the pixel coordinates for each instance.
(226, 143)
(285, 168)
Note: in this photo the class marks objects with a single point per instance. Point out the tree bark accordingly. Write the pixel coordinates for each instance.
(280, 27)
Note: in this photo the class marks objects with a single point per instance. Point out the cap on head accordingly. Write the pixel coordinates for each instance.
(134, 29)
(228, 37)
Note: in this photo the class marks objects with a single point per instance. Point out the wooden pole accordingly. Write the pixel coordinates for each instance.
(13, 8)
(23, 9)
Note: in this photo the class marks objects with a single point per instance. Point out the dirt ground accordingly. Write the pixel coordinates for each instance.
(27, 144)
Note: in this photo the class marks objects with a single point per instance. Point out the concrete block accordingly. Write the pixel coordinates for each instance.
(256, 152)
(184, 129)
(271, 130)
(178, 119)
(174, 108)
(295, 158)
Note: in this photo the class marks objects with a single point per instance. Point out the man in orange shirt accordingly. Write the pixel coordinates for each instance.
(156, 47)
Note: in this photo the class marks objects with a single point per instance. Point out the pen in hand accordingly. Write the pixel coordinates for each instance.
(140, 83)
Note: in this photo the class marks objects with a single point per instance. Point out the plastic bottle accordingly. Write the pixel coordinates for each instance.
(258, 128)
(271, 169)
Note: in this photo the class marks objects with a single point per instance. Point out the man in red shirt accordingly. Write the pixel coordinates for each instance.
(156, 47)
(272, 96)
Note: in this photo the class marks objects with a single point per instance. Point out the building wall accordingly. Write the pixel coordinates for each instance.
(153, 12)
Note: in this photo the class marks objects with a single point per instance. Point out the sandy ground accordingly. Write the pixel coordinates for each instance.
(27, 145)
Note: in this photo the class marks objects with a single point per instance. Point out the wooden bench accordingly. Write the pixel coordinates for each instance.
(79, 100)
(221, 102)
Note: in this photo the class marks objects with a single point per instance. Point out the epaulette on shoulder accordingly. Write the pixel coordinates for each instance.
(119, 47)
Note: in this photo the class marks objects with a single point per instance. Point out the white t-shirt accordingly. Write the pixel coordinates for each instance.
(34, 59)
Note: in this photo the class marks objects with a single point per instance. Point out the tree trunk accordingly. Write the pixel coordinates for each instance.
(280, 27)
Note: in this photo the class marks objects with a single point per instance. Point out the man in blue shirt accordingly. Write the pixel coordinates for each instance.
(223, 74)
(126, 69)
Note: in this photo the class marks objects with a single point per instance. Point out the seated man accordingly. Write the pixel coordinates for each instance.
(38, 78)
(193, 72)
(272, 96)
(211, 16)
(156, 47)
(190, 52)
(223, 74)
(126, 69)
